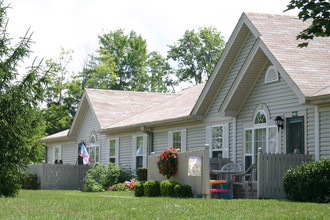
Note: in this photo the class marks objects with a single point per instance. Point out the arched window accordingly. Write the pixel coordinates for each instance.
(260, 118)
(262, 134)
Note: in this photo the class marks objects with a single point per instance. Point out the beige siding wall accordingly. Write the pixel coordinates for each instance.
(125, 150)
(280, 99)
(213, 114)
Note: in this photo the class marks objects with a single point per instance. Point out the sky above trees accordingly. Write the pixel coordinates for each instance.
(76, 24)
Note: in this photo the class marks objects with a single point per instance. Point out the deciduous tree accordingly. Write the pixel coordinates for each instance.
(196, 54)
(316, 10)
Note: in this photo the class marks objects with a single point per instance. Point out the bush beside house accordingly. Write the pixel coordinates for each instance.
(309, 182)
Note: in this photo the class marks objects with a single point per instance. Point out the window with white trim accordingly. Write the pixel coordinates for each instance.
(217, 136)
(217, 140)
(57, 153)
(139, 151)
(93, 149)
(262, 135)
(177, 139)
(112, 151)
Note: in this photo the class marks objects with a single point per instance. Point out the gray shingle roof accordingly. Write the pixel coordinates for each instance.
(112, 106)
(308, 67)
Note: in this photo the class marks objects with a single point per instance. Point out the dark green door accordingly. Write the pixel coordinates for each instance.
(295, 134)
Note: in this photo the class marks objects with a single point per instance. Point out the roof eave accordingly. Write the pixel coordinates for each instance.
(182, 119)
(317, 100)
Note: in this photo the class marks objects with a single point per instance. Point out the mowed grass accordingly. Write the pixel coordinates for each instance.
(123, 205)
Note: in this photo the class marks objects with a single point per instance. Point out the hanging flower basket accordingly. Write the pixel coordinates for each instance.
(168, 162)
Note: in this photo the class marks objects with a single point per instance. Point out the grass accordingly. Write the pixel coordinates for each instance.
(123, 205)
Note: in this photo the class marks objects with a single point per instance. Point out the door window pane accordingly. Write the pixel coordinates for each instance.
(259, 140)
(248, 141)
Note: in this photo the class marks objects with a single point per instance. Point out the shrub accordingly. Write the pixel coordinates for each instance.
(139, 189)
(152, 188)
(168, 162)
(29, 180)
(90, 185)
(183, 191)
(142, 174)
(119, 187)
(105, 176)
(308, 182)
(167, 188)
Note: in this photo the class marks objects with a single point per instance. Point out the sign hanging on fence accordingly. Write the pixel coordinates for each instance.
(195, 166)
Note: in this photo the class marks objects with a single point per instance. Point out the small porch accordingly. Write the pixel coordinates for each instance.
(225, 183)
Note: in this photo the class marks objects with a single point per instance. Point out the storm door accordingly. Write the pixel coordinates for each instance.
(295, 134)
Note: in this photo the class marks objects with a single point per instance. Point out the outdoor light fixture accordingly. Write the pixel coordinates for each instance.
(279, 122)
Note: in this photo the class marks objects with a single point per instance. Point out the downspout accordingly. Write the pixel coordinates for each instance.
(317, 132)
(234, 140)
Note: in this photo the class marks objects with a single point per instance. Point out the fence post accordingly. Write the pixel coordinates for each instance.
(258, 173)
(206, 171)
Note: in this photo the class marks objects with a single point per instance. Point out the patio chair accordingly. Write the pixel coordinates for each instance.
(246, 179)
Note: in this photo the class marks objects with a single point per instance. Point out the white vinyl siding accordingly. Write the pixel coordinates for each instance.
(213, 114)
(280, 99)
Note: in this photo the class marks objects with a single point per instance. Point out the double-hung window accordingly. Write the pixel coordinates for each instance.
(217, 137)
(93, 149)
(57, 153)
(177, 139)
(112, 151)
(139, 151)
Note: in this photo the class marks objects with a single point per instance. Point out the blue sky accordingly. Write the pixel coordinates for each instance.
(76, 24)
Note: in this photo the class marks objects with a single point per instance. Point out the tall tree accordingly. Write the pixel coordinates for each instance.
(20, 119)
(197, 53)
(62, 96)
(123, 62)
(316, 10)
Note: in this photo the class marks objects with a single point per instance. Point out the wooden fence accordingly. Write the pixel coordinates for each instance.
(271, 170)
(59, 176)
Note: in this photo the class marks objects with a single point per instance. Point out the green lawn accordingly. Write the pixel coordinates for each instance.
(123, 205)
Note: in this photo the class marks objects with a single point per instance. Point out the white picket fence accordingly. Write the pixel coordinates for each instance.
(271, 170)
(59, 176)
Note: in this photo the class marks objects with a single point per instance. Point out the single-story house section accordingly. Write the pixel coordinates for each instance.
(261, 76)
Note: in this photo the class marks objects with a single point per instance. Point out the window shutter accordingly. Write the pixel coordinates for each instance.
(117, 152)
(144, 162)
(183, 140)
(134, 152)
(225, 150)
(209, 139)
(108, 153)
(54, 154)
(170, 139)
